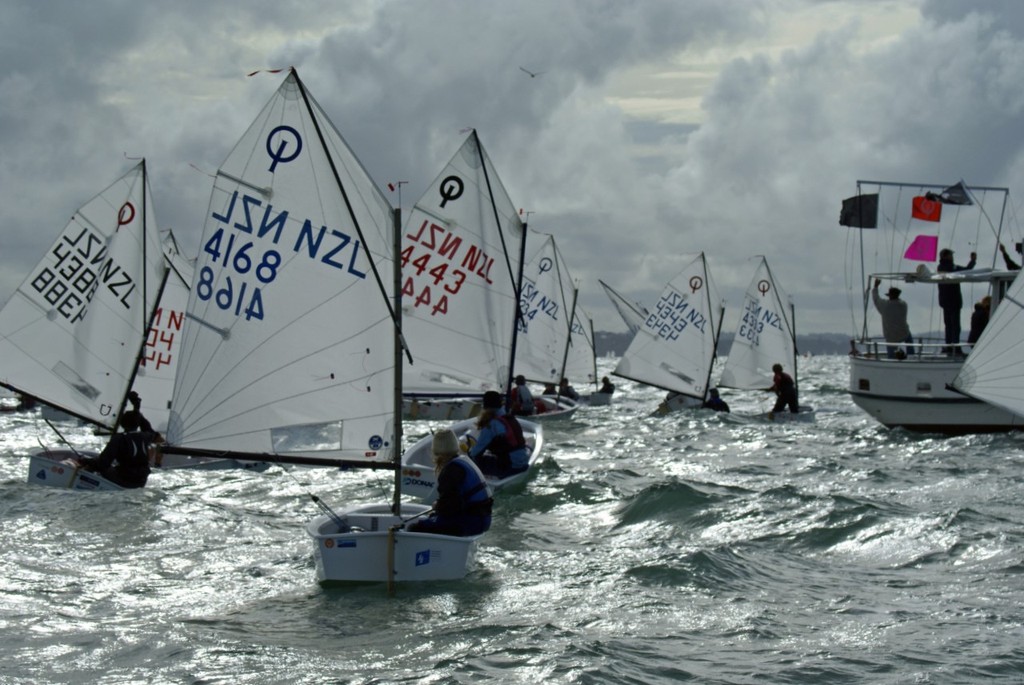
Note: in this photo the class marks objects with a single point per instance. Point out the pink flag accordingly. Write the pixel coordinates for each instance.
(923, 249)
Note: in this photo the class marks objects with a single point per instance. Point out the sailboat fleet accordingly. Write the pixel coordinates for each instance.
(313, 318)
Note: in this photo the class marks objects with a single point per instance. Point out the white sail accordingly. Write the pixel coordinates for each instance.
(460, 262)
(546, 304)
(675, 347)
(71, 333)
(633, 313)
(154, 381)
(288, 342)
(764, 334)
(994, 369)
(581, 362)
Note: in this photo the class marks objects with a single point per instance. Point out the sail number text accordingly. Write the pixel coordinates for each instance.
(238, 267)
(436, 264)
(673, 315)
(755, 318)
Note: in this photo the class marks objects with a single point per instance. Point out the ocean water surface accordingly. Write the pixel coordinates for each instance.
(696, 547)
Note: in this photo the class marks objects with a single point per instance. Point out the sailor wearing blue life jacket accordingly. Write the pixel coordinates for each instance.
(463, 505)
(500, 449)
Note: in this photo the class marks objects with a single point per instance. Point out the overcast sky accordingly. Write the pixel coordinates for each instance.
(653, 128)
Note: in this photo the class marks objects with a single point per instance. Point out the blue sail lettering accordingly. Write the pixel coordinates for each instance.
(344, 240)
(275, 224)
(306, 232)
(772, 319)
(247, 202)
(231, 208)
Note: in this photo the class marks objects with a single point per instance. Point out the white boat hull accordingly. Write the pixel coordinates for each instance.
(367, 550)
(677, 403)
(913, 394)
(550, 407)
(420, 482)
(599, 399)
(60, 469)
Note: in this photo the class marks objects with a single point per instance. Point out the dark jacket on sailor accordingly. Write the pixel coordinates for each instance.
(461, 490)
(503, 437)
(125, 459)
(463, 505)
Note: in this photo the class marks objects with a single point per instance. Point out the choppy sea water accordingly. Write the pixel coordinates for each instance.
(689, 548)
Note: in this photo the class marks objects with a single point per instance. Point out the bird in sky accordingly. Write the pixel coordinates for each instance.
(533, 74)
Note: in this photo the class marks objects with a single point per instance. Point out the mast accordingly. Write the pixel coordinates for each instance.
(396, 504)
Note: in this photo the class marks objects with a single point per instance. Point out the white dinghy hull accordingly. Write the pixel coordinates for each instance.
(420, 482)
(60, 469)
(367, 550)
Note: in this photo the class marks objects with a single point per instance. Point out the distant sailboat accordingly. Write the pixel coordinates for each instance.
(72, 334)
(675, 347)
(633, 314)
(765, 336)
(461, 331)
(462, 254)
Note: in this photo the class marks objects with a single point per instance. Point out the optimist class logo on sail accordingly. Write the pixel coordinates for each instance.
(250, 247)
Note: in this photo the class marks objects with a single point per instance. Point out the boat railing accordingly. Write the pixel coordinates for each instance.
(921, 349)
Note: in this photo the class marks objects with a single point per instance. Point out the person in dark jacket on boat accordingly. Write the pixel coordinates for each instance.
(463, 505)
(500, 448)
(784, 388)
(951, 300)
(979, 318)
(607, 387)
(125, 459)
(715, 401)
(566, 390)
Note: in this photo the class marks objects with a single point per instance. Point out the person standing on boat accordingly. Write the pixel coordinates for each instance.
(500, 448)
(522, 398)
(715, 401)
(125, 459)
(951, 300)
(784, 388)
(463, 505)
(979, 318)
(894, 321)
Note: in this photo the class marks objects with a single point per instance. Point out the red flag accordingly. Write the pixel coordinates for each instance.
(923, 249)
(926, 209)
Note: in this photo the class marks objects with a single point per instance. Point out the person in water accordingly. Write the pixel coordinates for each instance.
(463, 504)
(715, 401)
(500, 448)
(125, 459)
(784, 388)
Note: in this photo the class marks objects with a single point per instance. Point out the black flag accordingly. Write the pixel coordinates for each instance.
(860, 211)
(953, 195)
